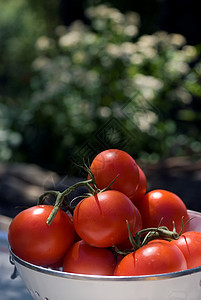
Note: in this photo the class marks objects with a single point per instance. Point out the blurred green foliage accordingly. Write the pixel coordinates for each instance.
(19, 28)
(68, 94)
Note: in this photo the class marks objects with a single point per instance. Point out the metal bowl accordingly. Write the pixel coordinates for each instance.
(48, 284)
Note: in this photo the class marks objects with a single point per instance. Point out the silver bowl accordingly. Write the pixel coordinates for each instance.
(48, 284)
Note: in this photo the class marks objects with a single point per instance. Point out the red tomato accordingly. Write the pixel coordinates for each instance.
(138, 226)
(34, 241)
(154, 258)
(190, 245)
(159, 204)
(114, 163)
(85, 259)
(142, 188)
(100, 220)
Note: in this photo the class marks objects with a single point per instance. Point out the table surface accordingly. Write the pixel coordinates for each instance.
(10, 289)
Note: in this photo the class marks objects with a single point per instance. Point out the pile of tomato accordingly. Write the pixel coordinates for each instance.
(119, 229)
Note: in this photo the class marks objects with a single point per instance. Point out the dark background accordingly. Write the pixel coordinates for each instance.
(180, 16)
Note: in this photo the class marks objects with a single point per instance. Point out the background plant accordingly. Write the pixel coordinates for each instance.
(104, 85)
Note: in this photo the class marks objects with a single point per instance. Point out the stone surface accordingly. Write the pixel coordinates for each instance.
(4, 223)
(179, 175)
(9, 289)
(22, 184)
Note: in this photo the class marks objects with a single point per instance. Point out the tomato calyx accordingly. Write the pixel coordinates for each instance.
(60, 196)
(97, 190)
(146, 235)
(183, 225)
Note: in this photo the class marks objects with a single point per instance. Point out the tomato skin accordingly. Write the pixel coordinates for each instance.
(141, 189)
(158, 204)
(154, 258)
(116, 164)
(85, 259)
(100, 220)
(138, 226)
(190, 245)
(34, 241)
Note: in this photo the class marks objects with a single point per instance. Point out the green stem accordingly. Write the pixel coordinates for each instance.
(56, 208)
(131, 238)
(153, 233)
(61, 195)
(41, 199)
(183, 225)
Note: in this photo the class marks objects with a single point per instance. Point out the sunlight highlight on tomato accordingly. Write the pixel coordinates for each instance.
(116, 164)
(85, 259)
(33, 240)
(100, 220)
(154, 258)
(161, 206)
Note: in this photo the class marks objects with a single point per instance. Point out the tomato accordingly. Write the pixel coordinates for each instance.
(34, 241)
(190, 245)
(142, 187)
(85, 259)
(138, 226)
(100, 220)
(116, 164)
(154, 258)
(158, 204)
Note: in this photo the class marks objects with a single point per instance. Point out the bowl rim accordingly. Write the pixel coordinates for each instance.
(48, 271)
(14, 258)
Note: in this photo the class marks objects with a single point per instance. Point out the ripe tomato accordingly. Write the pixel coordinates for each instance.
(34, 241)
(116, 164)
(189, 243)
(85, 259)
(159, 204)
(138, 226)
(154, 258)
(142, 188)
(100, 220)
